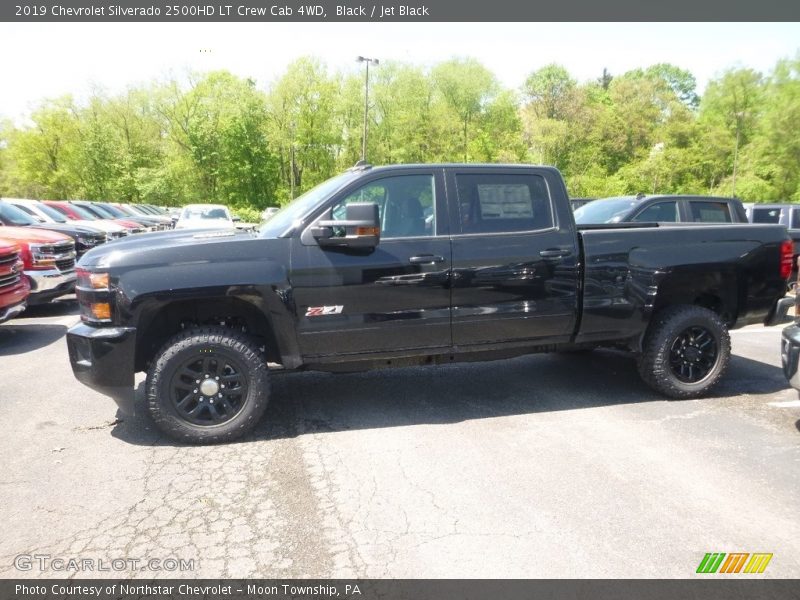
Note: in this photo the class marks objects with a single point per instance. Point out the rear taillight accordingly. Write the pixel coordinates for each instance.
(787, 255)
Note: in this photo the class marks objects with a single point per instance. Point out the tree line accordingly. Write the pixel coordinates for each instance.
(218, 137)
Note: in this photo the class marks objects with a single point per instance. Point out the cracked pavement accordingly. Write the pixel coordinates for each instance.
(541, 466)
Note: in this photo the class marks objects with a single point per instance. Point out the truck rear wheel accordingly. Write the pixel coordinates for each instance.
(686, 351)
(208, 385)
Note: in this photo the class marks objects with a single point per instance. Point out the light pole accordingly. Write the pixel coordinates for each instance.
(364, 59)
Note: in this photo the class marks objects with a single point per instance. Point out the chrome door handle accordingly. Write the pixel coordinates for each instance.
(426, 259)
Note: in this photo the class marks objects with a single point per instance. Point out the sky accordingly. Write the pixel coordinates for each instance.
(47, 60)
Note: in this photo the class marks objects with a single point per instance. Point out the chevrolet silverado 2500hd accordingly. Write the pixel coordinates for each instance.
(410, 265)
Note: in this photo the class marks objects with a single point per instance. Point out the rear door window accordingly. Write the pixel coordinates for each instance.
(710, 212)
(503, 203)
(660, 212)
(766, 215)
(795, 219)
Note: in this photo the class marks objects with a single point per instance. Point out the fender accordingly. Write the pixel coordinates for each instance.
(243, 274)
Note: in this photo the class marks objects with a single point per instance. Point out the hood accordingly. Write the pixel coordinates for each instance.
(128, 224)
(107, 226)
(7, 247)
(33, 235)
(70, 228)
(165, 247)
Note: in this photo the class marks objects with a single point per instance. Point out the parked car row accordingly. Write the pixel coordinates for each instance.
(40, 242)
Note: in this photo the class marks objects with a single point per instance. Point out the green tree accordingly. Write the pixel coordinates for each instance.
(303, 124)
(467, 87)
(550, 91)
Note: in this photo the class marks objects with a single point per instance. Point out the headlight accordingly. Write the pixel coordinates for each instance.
(94, 297)
(89, 281)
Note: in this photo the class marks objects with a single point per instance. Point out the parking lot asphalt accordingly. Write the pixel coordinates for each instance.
(540, 466)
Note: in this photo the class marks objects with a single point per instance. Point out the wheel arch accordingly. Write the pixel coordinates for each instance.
(159, 323)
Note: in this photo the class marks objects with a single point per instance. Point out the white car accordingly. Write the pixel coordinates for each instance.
(205, 216)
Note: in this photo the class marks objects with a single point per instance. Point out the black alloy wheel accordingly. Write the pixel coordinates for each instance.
(693, 354)
(209, 388)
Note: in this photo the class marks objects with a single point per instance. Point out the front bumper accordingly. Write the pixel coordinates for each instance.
(780, 314)
(790, 354)
(49, 284)
(9, 312)
(102, 358)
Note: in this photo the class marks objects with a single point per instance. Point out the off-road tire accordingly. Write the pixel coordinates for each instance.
(222, 346)
(663, 363)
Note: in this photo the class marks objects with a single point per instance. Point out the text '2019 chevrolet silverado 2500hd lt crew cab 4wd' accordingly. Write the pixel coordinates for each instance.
(411, 265)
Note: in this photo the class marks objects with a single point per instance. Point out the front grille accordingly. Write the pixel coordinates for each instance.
(65, 264)
(7, 261)
(9, 281)
(86, 242)
(59, 248)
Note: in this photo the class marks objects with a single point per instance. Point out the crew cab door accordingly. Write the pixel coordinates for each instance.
(352, 301)
(515, 257)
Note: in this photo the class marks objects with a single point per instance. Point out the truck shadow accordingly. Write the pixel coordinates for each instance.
(61, 307)
(18, 337)
(314, 402)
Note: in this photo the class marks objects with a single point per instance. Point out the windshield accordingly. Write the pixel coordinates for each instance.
(286, 218)
(11, 215)
(205, 213)
(30, 212)
(95, 210)
(52, 213)
(112, 210)
(84, 213)
(607, 210)
(126, 210)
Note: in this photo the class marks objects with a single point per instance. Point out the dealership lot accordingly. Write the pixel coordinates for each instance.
(541, 466)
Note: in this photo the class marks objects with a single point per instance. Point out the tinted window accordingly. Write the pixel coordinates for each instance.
(766, 215)
(405, 203)
(11, 215)
(606, 210)
(795, 219)
(496, 203)
(27, 210)
(660, 212)
(52, 213)
(710, 212)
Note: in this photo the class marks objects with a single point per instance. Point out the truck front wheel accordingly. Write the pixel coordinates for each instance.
(685, 352)
(208, 385)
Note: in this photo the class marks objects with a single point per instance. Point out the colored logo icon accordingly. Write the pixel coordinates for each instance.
(735, 562)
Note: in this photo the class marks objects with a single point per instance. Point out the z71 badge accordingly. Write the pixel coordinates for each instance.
(318, 311)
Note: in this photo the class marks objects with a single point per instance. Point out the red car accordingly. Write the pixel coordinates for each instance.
(14, 286)
(49, 261)
(76, 212)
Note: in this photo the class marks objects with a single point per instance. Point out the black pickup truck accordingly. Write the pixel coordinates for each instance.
(411, 265)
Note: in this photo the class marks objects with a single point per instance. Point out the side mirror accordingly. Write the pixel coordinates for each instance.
(236, 219)
(361, 227)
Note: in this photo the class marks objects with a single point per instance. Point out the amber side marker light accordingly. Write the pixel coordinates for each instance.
(100, 311)
(367, 230)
